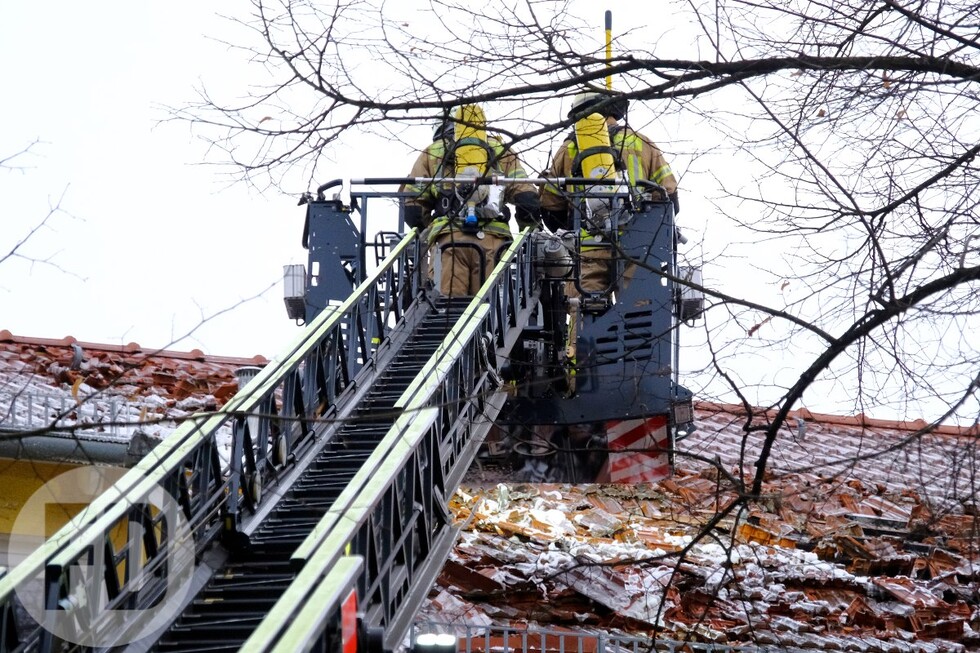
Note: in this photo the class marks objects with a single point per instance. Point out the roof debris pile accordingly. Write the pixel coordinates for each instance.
(829, 560)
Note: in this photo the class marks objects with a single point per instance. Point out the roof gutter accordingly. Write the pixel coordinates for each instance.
(78, 449)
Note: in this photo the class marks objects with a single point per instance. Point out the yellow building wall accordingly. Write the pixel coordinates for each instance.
(19, 480)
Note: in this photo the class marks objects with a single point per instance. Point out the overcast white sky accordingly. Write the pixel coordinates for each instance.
(151, 243)
(154, 241)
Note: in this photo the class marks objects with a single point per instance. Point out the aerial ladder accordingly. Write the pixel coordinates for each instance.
(326, 525)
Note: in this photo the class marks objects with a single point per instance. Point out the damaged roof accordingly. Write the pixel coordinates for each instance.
(865, 538)
(104, 395)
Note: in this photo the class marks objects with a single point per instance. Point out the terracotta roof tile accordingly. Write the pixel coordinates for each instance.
(123, 369)
(865, 540)
(97, 390)
(857, 545)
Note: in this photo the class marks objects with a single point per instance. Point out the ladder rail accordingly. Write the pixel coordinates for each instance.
(394, 512)
(81, 563)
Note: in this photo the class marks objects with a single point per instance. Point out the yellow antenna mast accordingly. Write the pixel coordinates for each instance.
(608, 48)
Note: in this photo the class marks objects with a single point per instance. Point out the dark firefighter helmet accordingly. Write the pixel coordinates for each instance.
(607, 104)
(443, 130)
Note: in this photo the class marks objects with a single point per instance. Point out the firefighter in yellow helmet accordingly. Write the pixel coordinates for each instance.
(467, 230)
(638, 156)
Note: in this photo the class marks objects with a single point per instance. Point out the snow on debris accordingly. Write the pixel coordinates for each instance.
(628, 559)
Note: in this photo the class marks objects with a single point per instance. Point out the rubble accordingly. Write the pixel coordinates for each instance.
(867, 558)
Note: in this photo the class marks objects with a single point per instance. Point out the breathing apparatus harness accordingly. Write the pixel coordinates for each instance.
(597, 158)
(468, 153)
(582, 154)
(470, 205)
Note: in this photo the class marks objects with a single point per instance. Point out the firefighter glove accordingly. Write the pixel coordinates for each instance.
(555, 220)
(528, 209)
(413, 216)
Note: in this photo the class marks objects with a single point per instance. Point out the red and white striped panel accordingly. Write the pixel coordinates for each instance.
(637, 450)
(348, 623)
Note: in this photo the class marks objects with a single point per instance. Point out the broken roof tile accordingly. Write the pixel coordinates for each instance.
(758, 589)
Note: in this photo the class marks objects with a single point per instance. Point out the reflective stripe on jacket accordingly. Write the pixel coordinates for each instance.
(630, 147)
(436, 153)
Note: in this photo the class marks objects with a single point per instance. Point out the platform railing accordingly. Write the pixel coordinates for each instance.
(472, 638)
